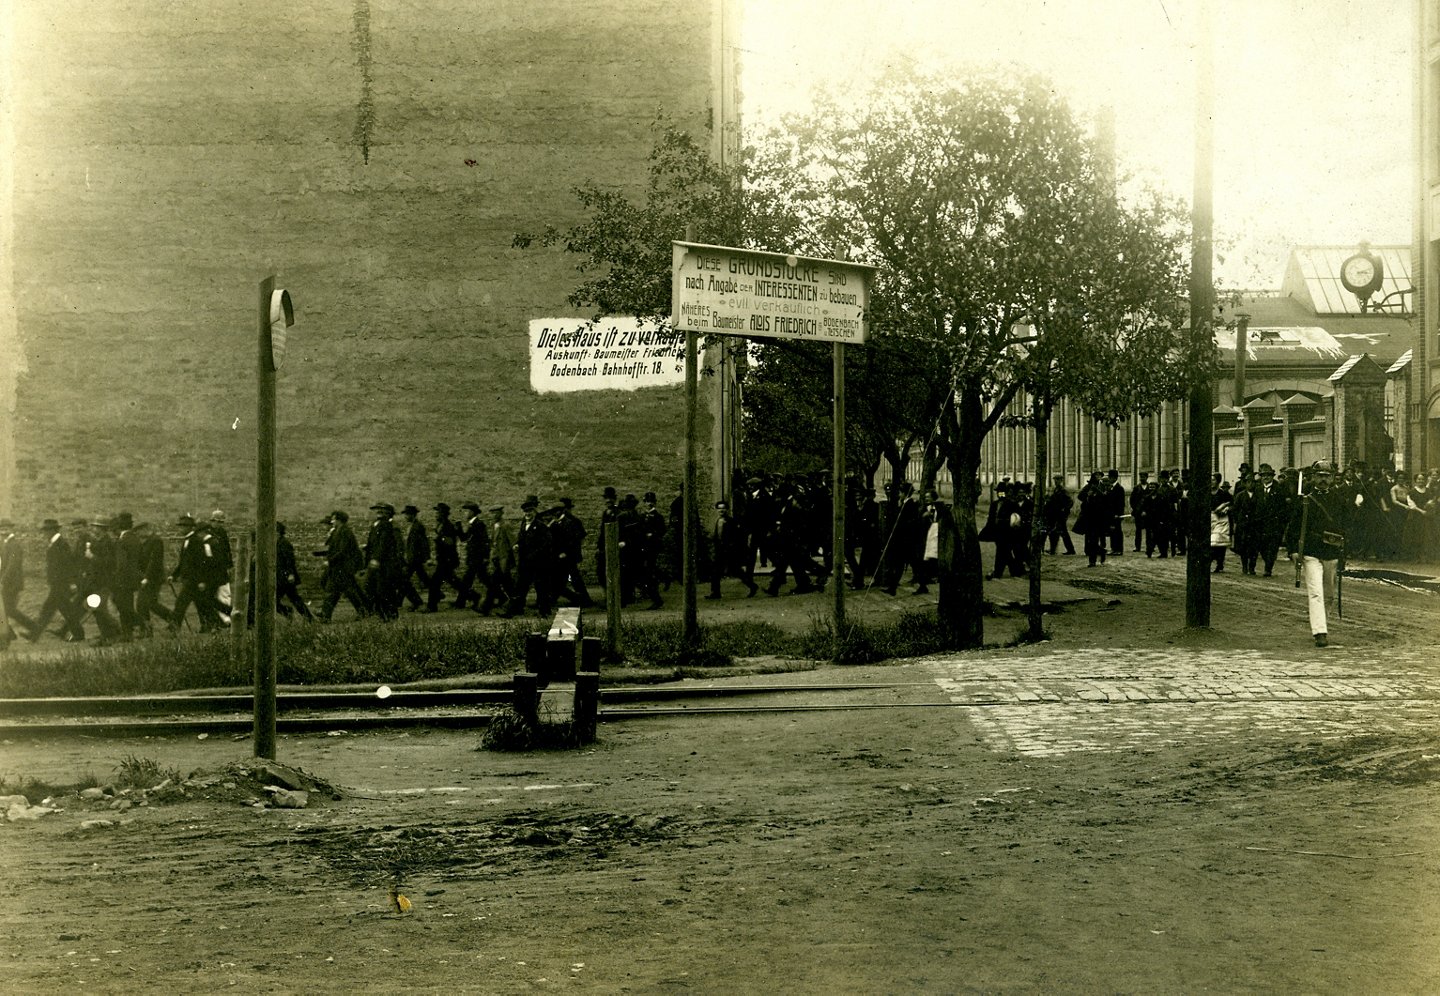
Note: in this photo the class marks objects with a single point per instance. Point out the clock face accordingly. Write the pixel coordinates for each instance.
(1358, 273)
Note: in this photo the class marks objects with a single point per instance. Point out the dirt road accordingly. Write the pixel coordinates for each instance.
(1126, 808)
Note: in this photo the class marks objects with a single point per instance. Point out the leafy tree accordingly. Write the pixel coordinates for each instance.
(978, 199)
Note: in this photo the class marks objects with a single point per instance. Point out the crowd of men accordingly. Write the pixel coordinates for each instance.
(112, 571)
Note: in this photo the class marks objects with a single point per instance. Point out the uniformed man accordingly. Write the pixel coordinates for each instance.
(1315, 541)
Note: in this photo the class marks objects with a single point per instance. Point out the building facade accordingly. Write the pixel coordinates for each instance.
(1423, 409)
(1322, 376)
(379, 159)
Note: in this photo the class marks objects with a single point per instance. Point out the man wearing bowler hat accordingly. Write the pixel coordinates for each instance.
(477, 554)
(383, 562)
(447, 556)
(62, 577)
(569, 533)
(415, 552)
(534, 558)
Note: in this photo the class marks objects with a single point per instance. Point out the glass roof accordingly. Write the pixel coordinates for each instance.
(1319, 267)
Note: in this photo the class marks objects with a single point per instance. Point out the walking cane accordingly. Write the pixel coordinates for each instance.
(175, 598)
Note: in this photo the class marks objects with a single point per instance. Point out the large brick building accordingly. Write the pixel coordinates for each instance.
(379, 158)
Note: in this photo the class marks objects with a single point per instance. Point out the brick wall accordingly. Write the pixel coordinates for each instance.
(378, 157)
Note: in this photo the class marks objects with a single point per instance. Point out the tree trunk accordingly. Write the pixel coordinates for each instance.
(930, 463)
(961, 606)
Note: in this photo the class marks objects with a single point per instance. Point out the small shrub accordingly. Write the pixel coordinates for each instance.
(509, 731)
(143, 772)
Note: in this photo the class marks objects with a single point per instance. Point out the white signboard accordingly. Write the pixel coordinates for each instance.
(614, 354)
(718, 290)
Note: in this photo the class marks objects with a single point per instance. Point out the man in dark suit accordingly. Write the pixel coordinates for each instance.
(152, 576)
(287, 576)
(1138, 496)
(569, 533)
(383, 562)
(477, 556)
(1272, 516)
(1116, 495)
(12, 580)
(534, 556)
(415, 547)
(447, 556)
(126, 581)
(343, 560)
(199, 572)
(62, 577)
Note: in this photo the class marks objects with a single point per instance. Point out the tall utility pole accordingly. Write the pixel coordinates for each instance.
(1202, 310)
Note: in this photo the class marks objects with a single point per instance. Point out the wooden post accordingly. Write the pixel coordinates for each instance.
(837, 536)
(1201, 419)
(688, 510)
(264, 537)
(612, 590)
(239, 597)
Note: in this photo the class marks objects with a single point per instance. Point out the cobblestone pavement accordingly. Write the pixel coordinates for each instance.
(1122, 700)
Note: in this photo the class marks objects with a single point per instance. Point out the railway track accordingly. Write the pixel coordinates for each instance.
(316, 712)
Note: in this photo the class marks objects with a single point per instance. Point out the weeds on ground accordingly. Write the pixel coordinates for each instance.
(143, 772)
(362, 652)
(914, 634)
(509, 731)
(663, 644)
(369, 652)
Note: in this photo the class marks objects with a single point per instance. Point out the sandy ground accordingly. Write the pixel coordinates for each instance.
(903, 848)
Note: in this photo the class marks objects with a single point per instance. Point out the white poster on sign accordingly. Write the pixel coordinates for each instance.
(613, 354)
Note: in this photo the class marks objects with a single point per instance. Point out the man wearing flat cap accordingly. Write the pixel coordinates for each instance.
(415, 552)
(447, 556)
(477, 556)
(383, 562)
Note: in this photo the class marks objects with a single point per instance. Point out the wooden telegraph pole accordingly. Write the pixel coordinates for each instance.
(837, 495)
(276, 314)
(1197, 548)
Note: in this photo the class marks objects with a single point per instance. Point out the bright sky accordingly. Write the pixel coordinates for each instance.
(1313, 116)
